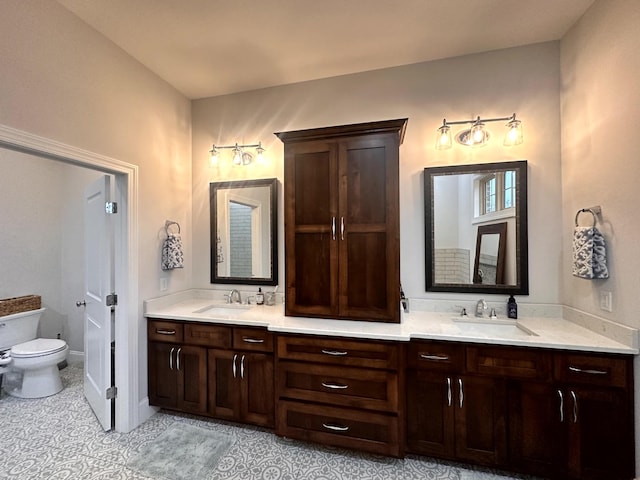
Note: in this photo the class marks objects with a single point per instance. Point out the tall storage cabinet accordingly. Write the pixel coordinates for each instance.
(342, 234)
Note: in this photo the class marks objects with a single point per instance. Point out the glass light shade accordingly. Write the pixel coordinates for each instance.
(514, 133)
(443, 138)
(260, 154)
(237, 156)
(478, 135)
(213, 156)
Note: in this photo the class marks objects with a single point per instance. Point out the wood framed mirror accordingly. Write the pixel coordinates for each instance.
(244, 234)
(465, 203)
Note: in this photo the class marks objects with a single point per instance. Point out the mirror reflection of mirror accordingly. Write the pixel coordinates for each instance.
(476, 228)
(243, 232)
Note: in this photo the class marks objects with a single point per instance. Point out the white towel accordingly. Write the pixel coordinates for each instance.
(589, 254)
(172, 254)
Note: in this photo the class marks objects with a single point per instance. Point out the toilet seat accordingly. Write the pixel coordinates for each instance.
(38, 347)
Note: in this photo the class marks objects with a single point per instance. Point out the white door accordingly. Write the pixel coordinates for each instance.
(98, 241)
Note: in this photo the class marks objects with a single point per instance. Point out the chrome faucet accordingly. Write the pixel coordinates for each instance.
(234, 296)
(481, 306)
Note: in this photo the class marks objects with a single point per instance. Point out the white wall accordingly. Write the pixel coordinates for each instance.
(522, 80)
(600, 72)
(64, 81)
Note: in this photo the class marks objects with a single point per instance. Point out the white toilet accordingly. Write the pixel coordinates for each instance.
(34, 359)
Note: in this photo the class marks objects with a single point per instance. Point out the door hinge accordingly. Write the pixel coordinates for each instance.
(111, 207)
(112, 392)
(112, 300)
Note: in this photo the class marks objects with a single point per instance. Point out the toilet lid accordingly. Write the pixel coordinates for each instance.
(38, 347)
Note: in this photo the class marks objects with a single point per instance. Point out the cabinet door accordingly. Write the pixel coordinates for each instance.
(311, 249)
(430, 413)
(480, 411)
(600, 429)
(368, 228)
(191, 365)
(223, 383)
(163, 391)
(537, 432)
(257, 389)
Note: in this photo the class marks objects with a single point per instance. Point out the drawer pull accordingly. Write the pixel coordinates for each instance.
(561, 405)
(449, 395)
(335, 428)
(575, 406)
(438, 358)
(590, 371)
(233, 365)
(334, 386)
(178, 359)
(165, 332)
(171, 358)
(335, 353)
(252, 340)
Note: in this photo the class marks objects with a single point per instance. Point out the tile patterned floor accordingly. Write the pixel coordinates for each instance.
(59, 438)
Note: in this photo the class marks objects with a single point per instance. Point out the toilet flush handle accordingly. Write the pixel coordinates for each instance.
(81, 303)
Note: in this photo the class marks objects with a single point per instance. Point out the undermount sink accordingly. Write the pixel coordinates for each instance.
(223, 309)
(487, 327)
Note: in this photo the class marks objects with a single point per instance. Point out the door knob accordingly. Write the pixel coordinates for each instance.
(81, 303)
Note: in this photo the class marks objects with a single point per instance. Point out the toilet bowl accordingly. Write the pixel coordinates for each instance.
(31, 363)
(37, 360)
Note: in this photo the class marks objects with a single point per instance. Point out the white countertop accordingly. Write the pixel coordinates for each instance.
(556, 333)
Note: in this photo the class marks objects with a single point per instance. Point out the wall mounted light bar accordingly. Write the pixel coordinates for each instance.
(240, 156)
(477, 135)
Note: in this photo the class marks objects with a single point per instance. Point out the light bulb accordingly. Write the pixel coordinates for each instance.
(443, 138)
(213, 156)
(514, 133)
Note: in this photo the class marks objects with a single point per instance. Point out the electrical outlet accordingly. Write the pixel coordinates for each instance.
(606, 302)
(164, 284)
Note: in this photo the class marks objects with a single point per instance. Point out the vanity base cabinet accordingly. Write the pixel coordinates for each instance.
(340, 392)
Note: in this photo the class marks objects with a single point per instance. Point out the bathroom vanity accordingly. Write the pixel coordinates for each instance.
(556, 401)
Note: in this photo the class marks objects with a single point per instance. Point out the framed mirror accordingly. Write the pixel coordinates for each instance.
(244, 234)
(476, 236)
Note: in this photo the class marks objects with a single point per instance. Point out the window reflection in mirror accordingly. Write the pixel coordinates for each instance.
(467, 209)
(243, 232)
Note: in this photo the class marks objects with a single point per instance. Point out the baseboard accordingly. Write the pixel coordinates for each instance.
(75, 357)
(145, 411)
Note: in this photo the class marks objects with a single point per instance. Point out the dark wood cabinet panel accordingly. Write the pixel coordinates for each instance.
(341, 221)
(164, 331)
(162, 378)
(222, 372)
(257, 392)
(212, 336)
(509, 362)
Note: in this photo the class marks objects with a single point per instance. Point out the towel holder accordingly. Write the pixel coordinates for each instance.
(595, 211)
(168, 223)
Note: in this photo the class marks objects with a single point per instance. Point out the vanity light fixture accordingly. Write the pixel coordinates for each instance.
(240, 156)
(477, 135)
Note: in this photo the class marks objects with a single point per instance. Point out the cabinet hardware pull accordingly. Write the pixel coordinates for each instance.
(165, 332)
(334, 386)
(242, 367)
(333, 228)
(233, 367)
(461, 389)
(341, 228)
(178, 359)
(171, 358)
(252, 340)
(561, 405)
(575, 406)
(335, 428)
(439, 358)
(335, 353)
(449, 396)
(587, 370)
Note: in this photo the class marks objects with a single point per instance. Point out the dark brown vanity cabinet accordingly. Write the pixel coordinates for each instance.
(177, 371)
(340, 392)
(452, 414)
(241, 384)
(341, 221)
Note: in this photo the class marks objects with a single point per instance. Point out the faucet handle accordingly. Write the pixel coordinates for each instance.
(463, 312)
(227, 298)
(493, 314)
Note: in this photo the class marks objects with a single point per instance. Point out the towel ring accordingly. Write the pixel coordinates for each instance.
(585, 210)
(168, 223)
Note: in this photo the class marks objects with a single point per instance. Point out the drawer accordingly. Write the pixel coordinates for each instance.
(340, 427)
(207, 335)
(353, 353)
(252, 339)
(164, 331)
(602, 370)
(525, 363)
(436, 356)
(335, 385)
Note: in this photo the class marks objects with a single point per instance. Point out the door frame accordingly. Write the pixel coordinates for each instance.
(127, 327)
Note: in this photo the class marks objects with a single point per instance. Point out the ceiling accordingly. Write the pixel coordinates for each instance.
(206, 48)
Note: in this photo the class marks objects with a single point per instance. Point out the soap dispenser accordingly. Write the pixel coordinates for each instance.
(260, 297)
(512, 308)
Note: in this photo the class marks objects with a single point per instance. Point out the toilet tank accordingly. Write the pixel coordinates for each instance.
(19, 328)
